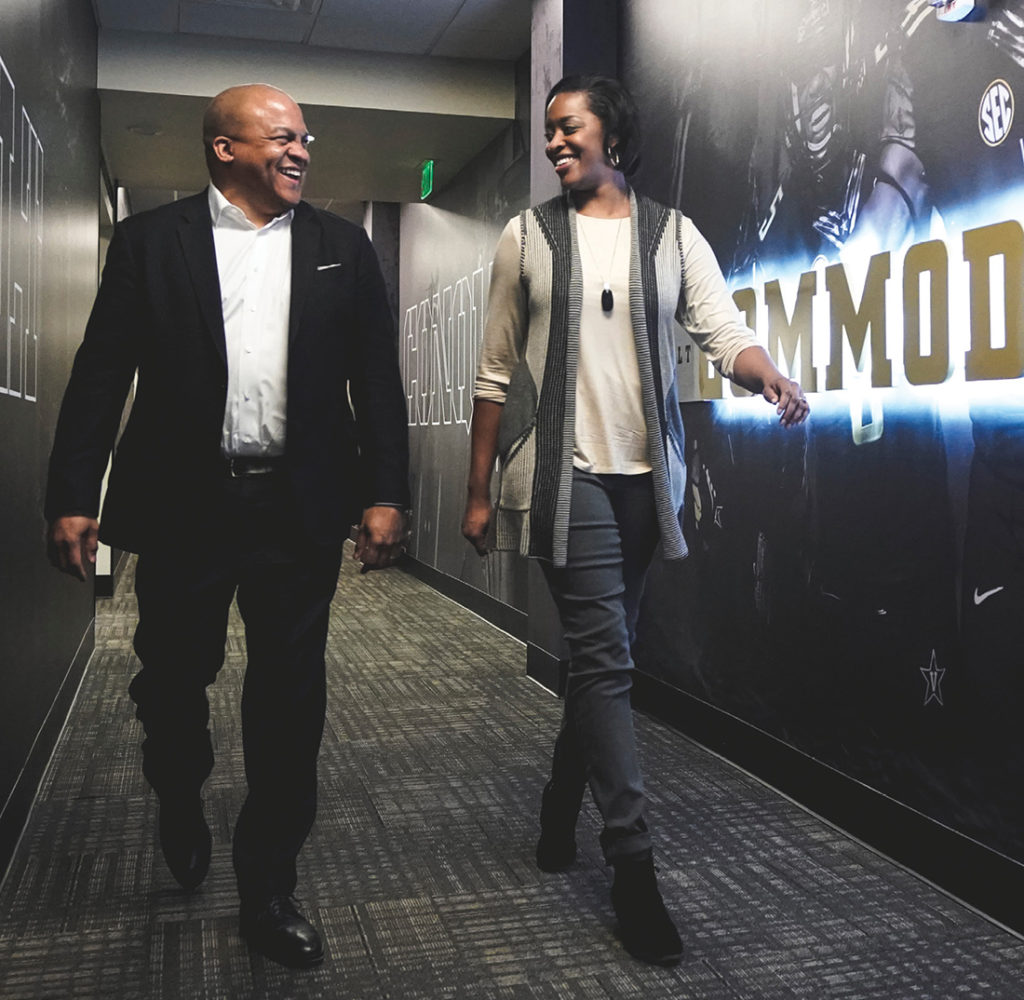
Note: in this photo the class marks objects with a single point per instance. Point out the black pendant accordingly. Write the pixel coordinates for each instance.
(607, 299)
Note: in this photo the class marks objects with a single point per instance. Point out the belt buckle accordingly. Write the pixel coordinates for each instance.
(241, 467)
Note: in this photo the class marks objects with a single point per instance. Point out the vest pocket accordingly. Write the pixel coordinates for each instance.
(519, 412)
(517, 472)
(517, 440)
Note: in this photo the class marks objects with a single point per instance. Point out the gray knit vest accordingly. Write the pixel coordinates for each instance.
(536, 437)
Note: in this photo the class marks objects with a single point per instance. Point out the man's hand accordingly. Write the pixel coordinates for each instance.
(71, 544)
(381, 537)
(476, 522)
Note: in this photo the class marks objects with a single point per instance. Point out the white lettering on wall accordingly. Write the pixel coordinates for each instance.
(441, 337)
(21, 245)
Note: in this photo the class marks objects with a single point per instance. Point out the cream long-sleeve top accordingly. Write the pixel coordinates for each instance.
(610, 429)
(545, 355)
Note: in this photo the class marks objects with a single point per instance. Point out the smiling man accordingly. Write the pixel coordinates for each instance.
(268, 418)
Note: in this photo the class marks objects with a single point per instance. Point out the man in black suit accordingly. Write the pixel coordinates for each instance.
(268, 418)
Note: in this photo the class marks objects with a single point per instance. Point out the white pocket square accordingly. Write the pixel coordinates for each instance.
(326, 267)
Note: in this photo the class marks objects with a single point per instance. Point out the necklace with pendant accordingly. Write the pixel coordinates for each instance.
(607, 299)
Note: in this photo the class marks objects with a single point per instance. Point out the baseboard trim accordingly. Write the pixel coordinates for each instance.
(16, 809)
(546, 669)
(499, 614)
(975, 874)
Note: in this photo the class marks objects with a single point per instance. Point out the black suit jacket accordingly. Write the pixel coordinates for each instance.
(158, 312)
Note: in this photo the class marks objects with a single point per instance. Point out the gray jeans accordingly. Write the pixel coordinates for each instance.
(613, 532)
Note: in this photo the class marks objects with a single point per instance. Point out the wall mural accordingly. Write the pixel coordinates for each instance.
(855, 586)
(48, 268)
(443, 302)
(440, 341)
(21, 244)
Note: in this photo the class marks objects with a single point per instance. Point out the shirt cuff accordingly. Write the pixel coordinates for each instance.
(491, 389)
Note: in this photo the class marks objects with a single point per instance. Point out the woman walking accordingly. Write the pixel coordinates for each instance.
(576, 394)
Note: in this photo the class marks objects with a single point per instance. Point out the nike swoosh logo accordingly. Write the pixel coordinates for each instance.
(327, 267)
(978, 598)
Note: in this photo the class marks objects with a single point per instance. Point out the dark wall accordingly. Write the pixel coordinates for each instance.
(855, 586)
(49, 121)
(446, 249)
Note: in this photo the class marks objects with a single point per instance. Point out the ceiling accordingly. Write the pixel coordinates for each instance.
(361, 153)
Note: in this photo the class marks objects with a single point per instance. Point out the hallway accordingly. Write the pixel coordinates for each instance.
(420, 868)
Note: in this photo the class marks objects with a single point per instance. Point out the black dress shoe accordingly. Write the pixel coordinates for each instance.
(646, 929)
(185, 839)
(276, 929)
(559, 810)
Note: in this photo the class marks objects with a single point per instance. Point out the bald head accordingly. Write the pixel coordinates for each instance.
(255, 141)
(232, 109)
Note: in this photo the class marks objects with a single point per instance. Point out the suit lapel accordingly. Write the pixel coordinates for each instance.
(305, 242)
(195, 231)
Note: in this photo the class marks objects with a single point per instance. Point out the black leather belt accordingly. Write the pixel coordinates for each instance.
(240, 466)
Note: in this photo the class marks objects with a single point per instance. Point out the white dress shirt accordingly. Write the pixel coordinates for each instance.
(255, 269)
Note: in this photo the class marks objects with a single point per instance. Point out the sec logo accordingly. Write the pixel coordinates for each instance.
(995, 113)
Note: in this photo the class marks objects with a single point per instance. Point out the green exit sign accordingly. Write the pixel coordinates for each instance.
(426, 178)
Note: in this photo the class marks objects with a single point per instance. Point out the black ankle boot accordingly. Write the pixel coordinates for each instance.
(645, 927)
(559, 809)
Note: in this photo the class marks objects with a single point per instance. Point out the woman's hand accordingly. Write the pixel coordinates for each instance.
(755, 371)
(789, 400)
(476, 522)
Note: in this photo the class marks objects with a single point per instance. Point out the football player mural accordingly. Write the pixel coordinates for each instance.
(859, 169)
(960, 155)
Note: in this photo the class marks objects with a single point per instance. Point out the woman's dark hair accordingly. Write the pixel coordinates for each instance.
(614, 106)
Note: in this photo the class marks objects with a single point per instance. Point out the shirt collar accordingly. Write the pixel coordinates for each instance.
(223, 213)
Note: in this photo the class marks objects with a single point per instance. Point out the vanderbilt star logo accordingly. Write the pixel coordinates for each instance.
(933, 675)
(978, 598)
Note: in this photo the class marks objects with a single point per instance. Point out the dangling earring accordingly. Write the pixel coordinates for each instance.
(612, 155)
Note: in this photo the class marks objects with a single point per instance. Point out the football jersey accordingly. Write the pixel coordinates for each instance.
(965, 79)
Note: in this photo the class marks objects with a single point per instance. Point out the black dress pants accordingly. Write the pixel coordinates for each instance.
(284, 589)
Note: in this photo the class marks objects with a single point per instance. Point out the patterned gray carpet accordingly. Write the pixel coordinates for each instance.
(420, 868)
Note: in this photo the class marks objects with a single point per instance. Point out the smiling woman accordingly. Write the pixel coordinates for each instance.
(588, 429)
(595, 131)
(575, 144)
